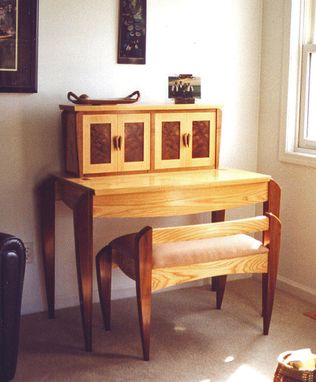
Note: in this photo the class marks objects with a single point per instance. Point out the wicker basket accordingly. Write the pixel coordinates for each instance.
(286, 373)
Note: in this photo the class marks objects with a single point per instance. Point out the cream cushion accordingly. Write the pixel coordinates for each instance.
(186, 252)
(206, 250)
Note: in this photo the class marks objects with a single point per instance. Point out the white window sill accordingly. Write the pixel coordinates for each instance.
(303, 159)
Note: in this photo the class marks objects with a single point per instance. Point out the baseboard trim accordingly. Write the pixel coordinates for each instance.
(283, 283)
(67, 301)
(299, 290)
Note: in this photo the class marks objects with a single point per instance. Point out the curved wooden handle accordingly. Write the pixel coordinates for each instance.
(137, 93)
(115, 142)
(188, 139)
(185, 140)
(72, 97)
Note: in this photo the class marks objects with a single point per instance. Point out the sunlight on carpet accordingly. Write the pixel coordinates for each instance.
(246, 373)
(179, 328)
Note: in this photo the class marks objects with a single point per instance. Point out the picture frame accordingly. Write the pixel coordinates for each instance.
(18, 46)
(132, 32)
(184, 88)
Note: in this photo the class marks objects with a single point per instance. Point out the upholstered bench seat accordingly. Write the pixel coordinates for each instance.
(186, 252)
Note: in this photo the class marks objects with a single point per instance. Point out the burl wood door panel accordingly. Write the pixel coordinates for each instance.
(98, 133)
(100, 143)
(134, 142)
(203, 140)
(169, 145)
(134, 130)
(170, 140)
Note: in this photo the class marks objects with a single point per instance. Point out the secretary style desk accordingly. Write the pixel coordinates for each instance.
(139, 161)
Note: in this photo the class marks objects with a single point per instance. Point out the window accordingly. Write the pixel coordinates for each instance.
(307, 120)
(298, 136)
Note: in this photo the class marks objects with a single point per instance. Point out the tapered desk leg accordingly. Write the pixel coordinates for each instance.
(47, 232)
(83, 243)
(271, 205)
(218, 216)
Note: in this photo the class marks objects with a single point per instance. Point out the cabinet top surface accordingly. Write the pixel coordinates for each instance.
(136, 107)
(167, 181)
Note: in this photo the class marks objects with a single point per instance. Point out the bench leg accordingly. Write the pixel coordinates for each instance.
(143, 268)
(104, 273)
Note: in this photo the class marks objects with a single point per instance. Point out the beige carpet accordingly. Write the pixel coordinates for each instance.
(191, 340)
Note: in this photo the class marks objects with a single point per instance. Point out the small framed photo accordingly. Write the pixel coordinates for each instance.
(132, 32)
(184, 88)
(18, 46)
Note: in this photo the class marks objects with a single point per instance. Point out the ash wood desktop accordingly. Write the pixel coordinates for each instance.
(139, 195)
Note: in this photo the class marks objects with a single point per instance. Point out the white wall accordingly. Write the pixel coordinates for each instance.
(217, 40)
(298, 212)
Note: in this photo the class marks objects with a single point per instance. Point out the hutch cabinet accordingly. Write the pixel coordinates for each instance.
(119, 139)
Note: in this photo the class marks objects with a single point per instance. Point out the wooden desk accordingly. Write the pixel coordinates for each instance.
(141, 195)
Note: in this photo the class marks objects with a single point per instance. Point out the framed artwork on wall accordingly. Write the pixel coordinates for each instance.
(132, 32)
(184, 88)
(18, 46)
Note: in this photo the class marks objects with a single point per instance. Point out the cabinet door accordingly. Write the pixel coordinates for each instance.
(99, 132)
(169, 145)
(201, 139)
(134, 142)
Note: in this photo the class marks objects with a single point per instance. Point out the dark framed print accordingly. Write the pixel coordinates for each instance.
(132, 32)
(18, 46)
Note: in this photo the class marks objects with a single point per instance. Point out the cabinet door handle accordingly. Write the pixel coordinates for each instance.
(115, 143)
(188, 139)
(184, 139)
(119, 143)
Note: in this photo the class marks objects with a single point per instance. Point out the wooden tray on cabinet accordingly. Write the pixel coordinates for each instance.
(84, 99)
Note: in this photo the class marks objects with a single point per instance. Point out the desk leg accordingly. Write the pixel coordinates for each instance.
(274, 197)
(83, 243)
(218, 216)
(271, 205)
(47, 232)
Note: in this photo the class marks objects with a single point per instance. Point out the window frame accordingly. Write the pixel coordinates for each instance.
(294, 147)
(303, 142)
